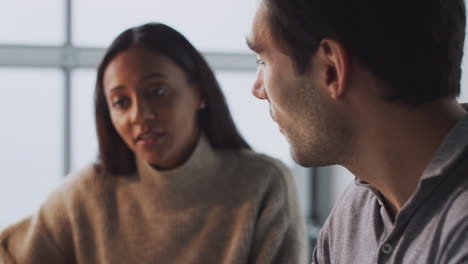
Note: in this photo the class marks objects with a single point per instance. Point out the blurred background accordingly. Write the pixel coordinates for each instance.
(49, 51)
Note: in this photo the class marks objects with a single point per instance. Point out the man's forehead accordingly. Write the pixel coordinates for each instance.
(258, 35)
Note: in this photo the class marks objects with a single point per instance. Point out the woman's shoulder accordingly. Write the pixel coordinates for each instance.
(262, 162)
(80, 184)
(257, 167)
(85, 176)
(88, 172)
(49, 228)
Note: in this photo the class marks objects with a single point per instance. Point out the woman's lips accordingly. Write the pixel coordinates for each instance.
(149, 138)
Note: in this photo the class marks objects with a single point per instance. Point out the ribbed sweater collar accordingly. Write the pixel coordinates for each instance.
(203, 159)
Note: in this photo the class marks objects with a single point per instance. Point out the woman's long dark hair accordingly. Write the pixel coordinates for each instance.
(115, 157)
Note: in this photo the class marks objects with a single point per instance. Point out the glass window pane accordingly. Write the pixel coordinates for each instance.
(464, 81)
(216, 25)
(32, 22)
(463, 95)
(84, 141)
(252, 115)
(463, 98)
(31, 152)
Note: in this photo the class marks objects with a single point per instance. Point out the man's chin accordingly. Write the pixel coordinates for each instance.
(298, 158)
(308, 160)
(301, 162)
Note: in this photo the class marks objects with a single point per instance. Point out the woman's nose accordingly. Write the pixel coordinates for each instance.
(144, 111)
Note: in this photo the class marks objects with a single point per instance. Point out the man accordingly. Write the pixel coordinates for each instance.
(371, 85)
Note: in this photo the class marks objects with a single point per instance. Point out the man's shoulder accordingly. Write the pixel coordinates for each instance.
(350, 221)
(455, 194)
(355, 197)
(456, 208)
(352, 211)
(454, 227)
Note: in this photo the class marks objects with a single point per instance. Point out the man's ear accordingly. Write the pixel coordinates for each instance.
(335, 60)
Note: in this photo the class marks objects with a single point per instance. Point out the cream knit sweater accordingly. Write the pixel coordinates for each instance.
(229, 207)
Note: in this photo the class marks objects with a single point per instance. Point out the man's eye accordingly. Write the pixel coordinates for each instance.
(259, 61)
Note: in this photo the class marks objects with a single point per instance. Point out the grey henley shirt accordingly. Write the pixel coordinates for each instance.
(432, 227)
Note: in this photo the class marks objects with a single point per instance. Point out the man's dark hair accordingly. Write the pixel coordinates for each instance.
(115, 157)
(414, 46)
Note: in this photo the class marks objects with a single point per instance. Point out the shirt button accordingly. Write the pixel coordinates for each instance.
(387, 248)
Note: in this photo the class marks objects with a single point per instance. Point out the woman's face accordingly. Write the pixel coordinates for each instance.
(153, 107)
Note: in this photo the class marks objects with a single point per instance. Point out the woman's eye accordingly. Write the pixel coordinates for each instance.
(121, 103)
(160, 91)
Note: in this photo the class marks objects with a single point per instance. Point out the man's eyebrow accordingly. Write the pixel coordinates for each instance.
(253, 46)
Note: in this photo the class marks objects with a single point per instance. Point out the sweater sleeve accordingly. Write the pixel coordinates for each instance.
(280, 233)
(42, 238)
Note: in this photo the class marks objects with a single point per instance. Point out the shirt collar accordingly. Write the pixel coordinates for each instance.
(450, 151)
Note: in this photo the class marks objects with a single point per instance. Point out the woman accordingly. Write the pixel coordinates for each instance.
(175, 182)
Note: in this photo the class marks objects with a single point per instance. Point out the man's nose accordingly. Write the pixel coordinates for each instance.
(258, 89)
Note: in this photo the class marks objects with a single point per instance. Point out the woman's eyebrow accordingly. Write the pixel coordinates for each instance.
(153, 75)
(119, 87)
